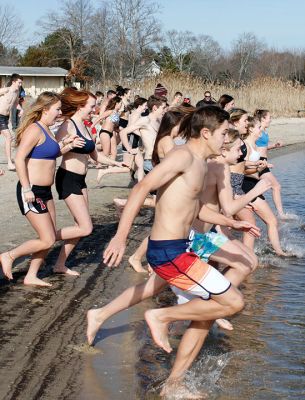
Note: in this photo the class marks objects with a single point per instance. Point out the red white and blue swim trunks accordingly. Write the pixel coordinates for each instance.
(173, 262)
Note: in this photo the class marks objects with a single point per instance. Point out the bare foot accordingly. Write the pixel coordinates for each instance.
(158, 329)
(282, 253)
(94, 324)
(224, 324)
(65, 270)
(136, 264)
(288, 217)
(178, 389)
(7, 263)
(34, 281)
(11, 167)
(2, 172)
(119, 205)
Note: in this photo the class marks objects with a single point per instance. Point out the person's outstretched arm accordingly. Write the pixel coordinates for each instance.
(176, 162)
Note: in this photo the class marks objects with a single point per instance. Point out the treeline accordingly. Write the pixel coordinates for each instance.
(118, 39)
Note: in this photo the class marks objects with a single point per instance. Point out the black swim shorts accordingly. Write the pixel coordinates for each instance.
(68, 182)
(4, 122)
(39, 206)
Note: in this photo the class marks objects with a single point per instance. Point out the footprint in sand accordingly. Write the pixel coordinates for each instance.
(85, 348)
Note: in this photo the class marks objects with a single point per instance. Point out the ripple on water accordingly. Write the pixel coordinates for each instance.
(263, 358)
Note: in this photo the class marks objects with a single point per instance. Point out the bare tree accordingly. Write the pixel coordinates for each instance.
(206, 54)
(101, 39)
(246, 49)
(135, 28)
(11, 27)
(72, 23)
(181, 45)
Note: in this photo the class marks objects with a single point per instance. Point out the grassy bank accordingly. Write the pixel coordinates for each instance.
(280, 97)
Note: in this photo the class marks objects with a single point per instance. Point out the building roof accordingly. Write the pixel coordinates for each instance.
(33, 71)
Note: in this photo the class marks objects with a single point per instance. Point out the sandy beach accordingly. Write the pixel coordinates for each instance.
(43, 351)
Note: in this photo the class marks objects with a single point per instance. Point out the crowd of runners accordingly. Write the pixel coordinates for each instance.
(202, 167)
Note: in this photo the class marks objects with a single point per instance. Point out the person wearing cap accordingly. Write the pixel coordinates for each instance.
(160, 90)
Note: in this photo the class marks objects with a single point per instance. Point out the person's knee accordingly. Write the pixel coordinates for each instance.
(86, 230)
(48, 242)
(237, 304)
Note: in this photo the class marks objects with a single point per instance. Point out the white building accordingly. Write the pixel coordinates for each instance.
(36, 79)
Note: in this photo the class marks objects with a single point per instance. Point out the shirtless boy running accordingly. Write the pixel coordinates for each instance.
(180, 180)
(8, 99)
(146, 128)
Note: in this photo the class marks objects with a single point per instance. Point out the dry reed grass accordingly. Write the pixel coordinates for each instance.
(280, 97)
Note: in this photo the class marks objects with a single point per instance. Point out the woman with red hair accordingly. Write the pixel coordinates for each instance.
(77, 107)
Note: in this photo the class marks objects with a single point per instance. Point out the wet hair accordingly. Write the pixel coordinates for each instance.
(170, 119)
(155, 101)
(99, 94)
(260, 114)
(210, 117)
(43, 102)
(224, 100)
(233, 135)
(72, 100)
(109, 92)
(178, 94)
(236, 114)
(113, 102)
(120, 91)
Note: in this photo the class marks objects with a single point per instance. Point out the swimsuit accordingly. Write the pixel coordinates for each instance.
(89, 145)
(48, 150)
(68, 182)
(105, 131)
(263, 140)
(4, 122)
(173, 262)
(38, 206)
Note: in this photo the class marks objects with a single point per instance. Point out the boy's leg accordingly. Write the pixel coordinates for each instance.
(128, 298)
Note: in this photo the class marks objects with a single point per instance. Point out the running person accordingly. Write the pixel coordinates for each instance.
(77, 106)
(264, 145)
(180, 179)
(9, 98)
(36, 162)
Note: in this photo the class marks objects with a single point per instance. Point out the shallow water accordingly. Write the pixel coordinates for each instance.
(263, 358)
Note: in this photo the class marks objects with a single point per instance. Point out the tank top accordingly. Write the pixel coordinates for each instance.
(263, 140)
(89, 143)
(48, 150)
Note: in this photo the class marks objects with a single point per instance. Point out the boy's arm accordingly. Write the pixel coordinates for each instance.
(213, 217)
(174, 163)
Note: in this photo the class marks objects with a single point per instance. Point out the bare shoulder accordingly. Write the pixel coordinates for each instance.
(33, 130)
(66, 127)
(181, 154)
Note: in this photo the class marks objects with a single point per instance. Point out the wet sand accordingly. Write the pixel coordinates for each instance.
(43, 355)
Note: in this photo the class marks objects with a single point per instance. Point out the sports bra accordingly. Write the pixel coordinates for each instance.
(89, 143)
(115, 118)
(48, 150)
(254, 156)
(263, 140)
(243, 149)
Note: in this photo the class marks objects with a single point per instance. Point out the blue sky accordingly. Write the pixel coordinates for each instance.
(280, 23)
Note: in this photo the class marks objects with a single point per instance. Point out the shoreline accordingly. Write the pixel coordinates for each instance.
(53, 361)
